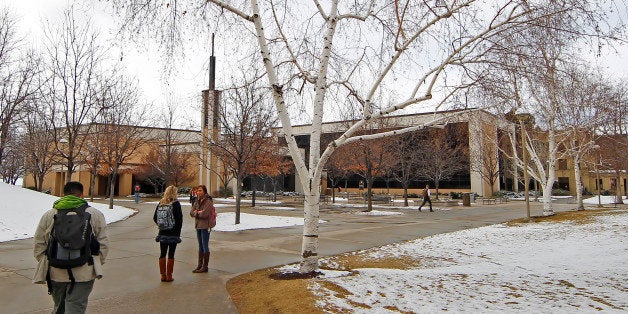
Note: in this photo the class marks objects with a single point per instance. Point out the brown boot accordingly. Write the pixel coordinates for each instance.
(162, 268)
(203, 268)
(205, 263)
(200, 262)
(170, 265)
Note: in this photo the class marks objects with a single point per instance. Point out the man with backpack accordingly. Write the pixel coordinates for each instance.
(70, 246)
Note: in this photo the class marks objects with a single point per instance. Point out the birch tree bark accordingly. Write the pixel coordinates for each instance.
(373, 57)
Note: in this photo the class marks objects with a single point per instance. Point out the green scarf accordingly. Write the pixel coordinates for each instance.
(68, 202)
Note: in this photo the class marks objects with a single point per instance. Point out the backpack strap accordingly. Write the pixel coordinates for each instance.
(49, 281)
(72, 280)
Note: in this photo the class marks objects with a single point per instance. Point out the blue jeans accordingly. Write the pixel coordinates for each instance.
(202, 235)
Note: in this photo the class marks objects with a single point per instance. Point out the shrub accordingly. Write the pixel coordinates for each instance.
(184, 190)
(560, 192)
(225, 192)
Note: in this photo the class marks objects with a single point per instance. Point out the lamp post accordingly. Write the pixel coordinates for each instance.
(597, 179)
(597, 164)
(525, 168)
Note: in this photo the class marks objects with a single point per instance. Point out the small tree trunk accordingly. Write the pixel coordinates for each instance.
(618, 194)
(92, 181)
(238, 198)
(112, 187)
(405, 195)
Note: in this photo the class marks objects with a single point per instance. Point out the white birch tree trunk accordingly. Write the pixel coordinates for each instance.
(375, 52)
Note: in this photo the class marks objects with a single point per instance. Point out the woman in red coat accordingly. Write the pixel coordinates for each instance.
(204, 215)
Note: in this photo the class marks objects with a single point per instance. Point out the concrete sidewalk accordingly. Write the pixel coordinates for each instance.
(132, 282)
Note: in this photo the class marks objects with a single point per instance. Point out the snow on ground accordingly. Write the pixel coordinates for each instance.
(226, 222)
(21, 209)
(604, 199)
(541, 268)
(378, 213)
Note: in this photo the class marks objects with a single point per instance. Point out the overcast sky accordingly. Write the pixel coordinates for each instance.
(185, 85)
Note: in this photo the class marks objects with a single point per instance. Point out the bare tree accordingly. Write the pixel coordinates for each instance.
(586, 93)
(318, 55)
(442, 154)
(93, 157)
(485, 161)
(18, 83)
(405, 156)
(13, 164)
(336, 171)
(246, 122)
(39, 152)
(369, 159)
(72, 60)
(121, 125)
(615, 131)
(533, 61)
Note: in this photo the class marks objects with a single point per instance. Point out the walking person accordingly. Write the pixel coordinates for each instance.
(426, 197)
(169, 218)
(204, 215)
(68, 261)
(192, 196)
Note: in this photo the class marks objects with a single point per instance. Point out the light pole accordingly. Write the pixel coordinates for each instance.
(597, 165)
(525, 168)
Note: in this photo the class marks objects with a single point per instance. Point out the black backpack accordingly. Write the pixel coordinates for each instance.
(165, 217)
(72, 241)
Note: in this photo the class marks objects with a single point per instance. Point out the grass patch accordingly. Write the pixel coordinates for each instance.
(580, 216)
(354, 261)
(269, 291)
(257, 292)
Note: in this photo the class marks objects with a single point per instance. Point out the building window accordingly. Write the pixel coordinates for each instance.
(599, 185)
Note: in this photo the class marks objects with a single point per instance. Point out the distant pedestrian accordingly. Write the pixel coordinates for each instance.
(169, 219)
(426, 197)
(193, 195)
(204, 215)
(71, 280)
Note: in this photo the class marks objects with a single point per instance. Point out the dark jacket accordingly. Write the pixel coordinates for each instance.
(178, 220)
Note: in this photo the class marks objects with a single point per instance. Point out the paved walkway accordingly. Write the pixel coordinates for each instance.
(132, 285)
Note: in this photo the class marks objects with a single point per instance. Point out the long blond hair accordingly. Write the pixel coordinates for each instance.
(170, 195)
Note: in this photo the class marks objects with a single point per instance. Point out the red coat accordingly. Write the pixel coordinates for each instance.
(204, 213)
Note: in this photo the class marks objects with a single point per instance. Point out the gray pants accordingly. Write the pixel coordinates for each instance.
(75, 302)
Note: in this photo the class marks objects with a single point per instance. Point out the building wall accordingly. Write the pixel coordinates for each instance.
(55, 180)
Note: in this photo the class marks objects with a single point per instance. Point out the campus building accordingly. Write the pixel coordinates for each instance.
(142, 168)
(483, 133)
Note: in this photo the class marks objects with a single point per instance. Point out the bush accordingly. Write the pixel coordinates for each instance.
(560, 192)
(31, 188)
(413, 195)
(184, 190)
(225, 192)
(456, 195)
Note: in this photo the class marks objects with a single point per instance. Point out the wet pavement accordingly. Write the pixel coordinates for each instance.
(132, 281)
